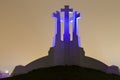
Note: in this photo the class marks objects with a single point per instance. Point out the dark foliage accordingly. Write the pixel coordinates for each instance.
(65, 73)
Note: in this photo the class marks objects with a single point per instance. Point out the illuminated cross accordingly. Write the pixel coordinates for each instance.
(76, 16)
(58, 26)
(66, 10)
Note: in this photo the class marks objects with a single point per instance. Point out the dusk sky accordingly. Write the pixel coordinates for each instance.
(27, 29)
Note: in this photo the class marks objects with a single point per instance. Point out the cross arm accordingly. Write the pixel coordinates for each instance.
(66, 9)
(57, 14)
(76, 14)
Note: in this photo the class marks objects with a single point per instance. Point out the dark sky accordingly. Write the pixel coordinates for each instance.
(27, 29)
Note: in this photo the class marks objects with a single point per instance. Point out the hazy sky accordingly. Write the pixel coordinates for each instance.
(27, 29)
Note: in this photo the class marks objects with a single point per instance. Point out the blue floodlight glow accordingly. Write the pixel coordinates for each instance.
(66, 20)
(53, 42)
(79, 40)
(55, 32)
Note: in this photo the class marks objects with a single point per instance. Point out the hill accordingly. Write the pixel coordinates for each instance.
(65, 73)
